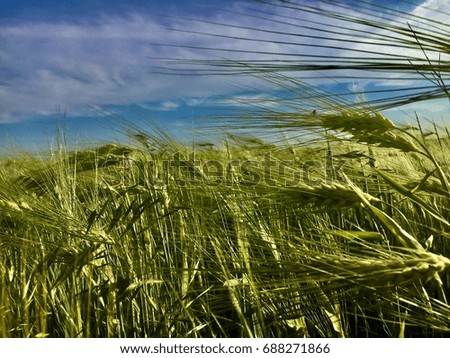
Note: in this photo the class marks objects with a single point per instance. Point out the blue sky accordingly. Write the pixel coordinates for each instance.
(73, 57)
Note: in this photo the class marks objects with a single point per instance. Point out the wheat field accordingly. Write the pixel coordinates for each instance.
(331, 222)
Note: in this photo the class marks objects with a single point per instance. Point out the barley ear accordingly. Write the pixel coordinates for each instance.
(402, 236)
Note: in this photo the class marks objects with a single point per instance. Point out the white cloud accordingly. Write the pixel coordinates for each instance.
(160, 106)
(77, 65)
(112, 61)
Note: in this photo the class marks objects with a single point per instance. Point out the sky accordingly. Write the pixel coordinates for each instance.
(86, 63)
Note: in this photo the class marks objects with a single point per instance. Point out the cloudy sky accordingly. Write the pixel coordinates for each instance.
(83, 59)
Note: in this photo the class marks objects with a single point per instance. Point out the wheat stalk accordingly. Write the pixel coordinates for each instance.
(334, 195)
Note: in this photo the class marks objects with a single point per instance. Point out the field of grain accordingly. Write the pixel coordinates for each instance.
(244, 239)
(330, 220)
